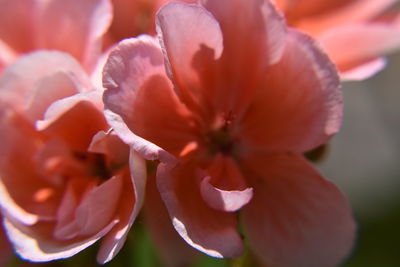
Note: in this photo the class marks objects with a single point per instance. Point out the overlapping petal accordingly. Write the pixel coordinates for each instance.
(296, 217)
(298, 105)
(137, 84)
(172, 248)
(208, 230)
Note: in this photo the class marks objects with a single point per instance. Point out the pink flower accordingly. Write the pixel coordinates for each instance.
(352, 32)
(65, 182)
(228, 103)
(73, 26)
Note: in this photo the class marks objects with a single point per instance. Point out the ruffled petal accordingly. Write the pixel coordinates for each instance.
(173, 249)
(208, 230)
(296, 217)
(25, 240)
(30, 89)
(187, 32)
(298, 105)
(224, 188)
(139, 100)
(74, 119)
(36, 200)
(131, 201)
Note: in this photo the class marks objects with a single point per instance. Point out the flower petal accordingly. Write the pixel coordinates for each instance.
(139, 100)
(131, 201)
(173, 249)
(295, 210)
(186, 31)
(253, 26)
(368, 42)
(224, 187)
(74, 119)
(298, 105)
(254, 38)
(20, 144)
(30, 89)
(25, 240)
(210, 231)
(350, 12)
(75, 27)
(16, 20)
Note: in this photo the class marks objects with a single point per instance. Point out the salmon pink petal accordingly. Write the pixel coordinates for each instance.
(208, 230)
(172, 248)
(368, 41)
(224, 200)
(224, 187)
(305, 219)
(252, 26)
(131, 201)
(67, 226)
(26, 245)
(99, 206)
(20, 142)
(255, 27)
(30, 89)
(139, 100)
(7, 55)
(364, 71)
(16, 20)
(293, 110)
(79, 27)
(344, 13)
(187, 30)
(64, 119)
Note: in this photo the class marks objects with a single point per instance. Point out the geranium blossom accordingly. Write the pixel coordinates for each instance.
(228, 102)
(73, 26)
(65, 183)
(354, 33)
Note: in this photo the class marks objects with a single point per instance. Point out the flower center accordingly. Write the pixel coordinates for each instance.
(220, 139)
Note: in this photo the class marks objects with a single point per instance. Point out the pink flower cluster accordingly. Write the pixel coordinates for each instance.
(225, 101)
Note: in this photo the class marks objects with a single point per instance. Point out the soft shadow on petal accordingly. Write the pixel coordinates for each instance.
(20, 143)
(140, 103)
(31, 89)
(131, 202)
(25, 240)
(224, 188)
(173, 249)
(208, 230)
(64, 120)
(185, 30)
(254, 38)
(296, 217)
(298, 106)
